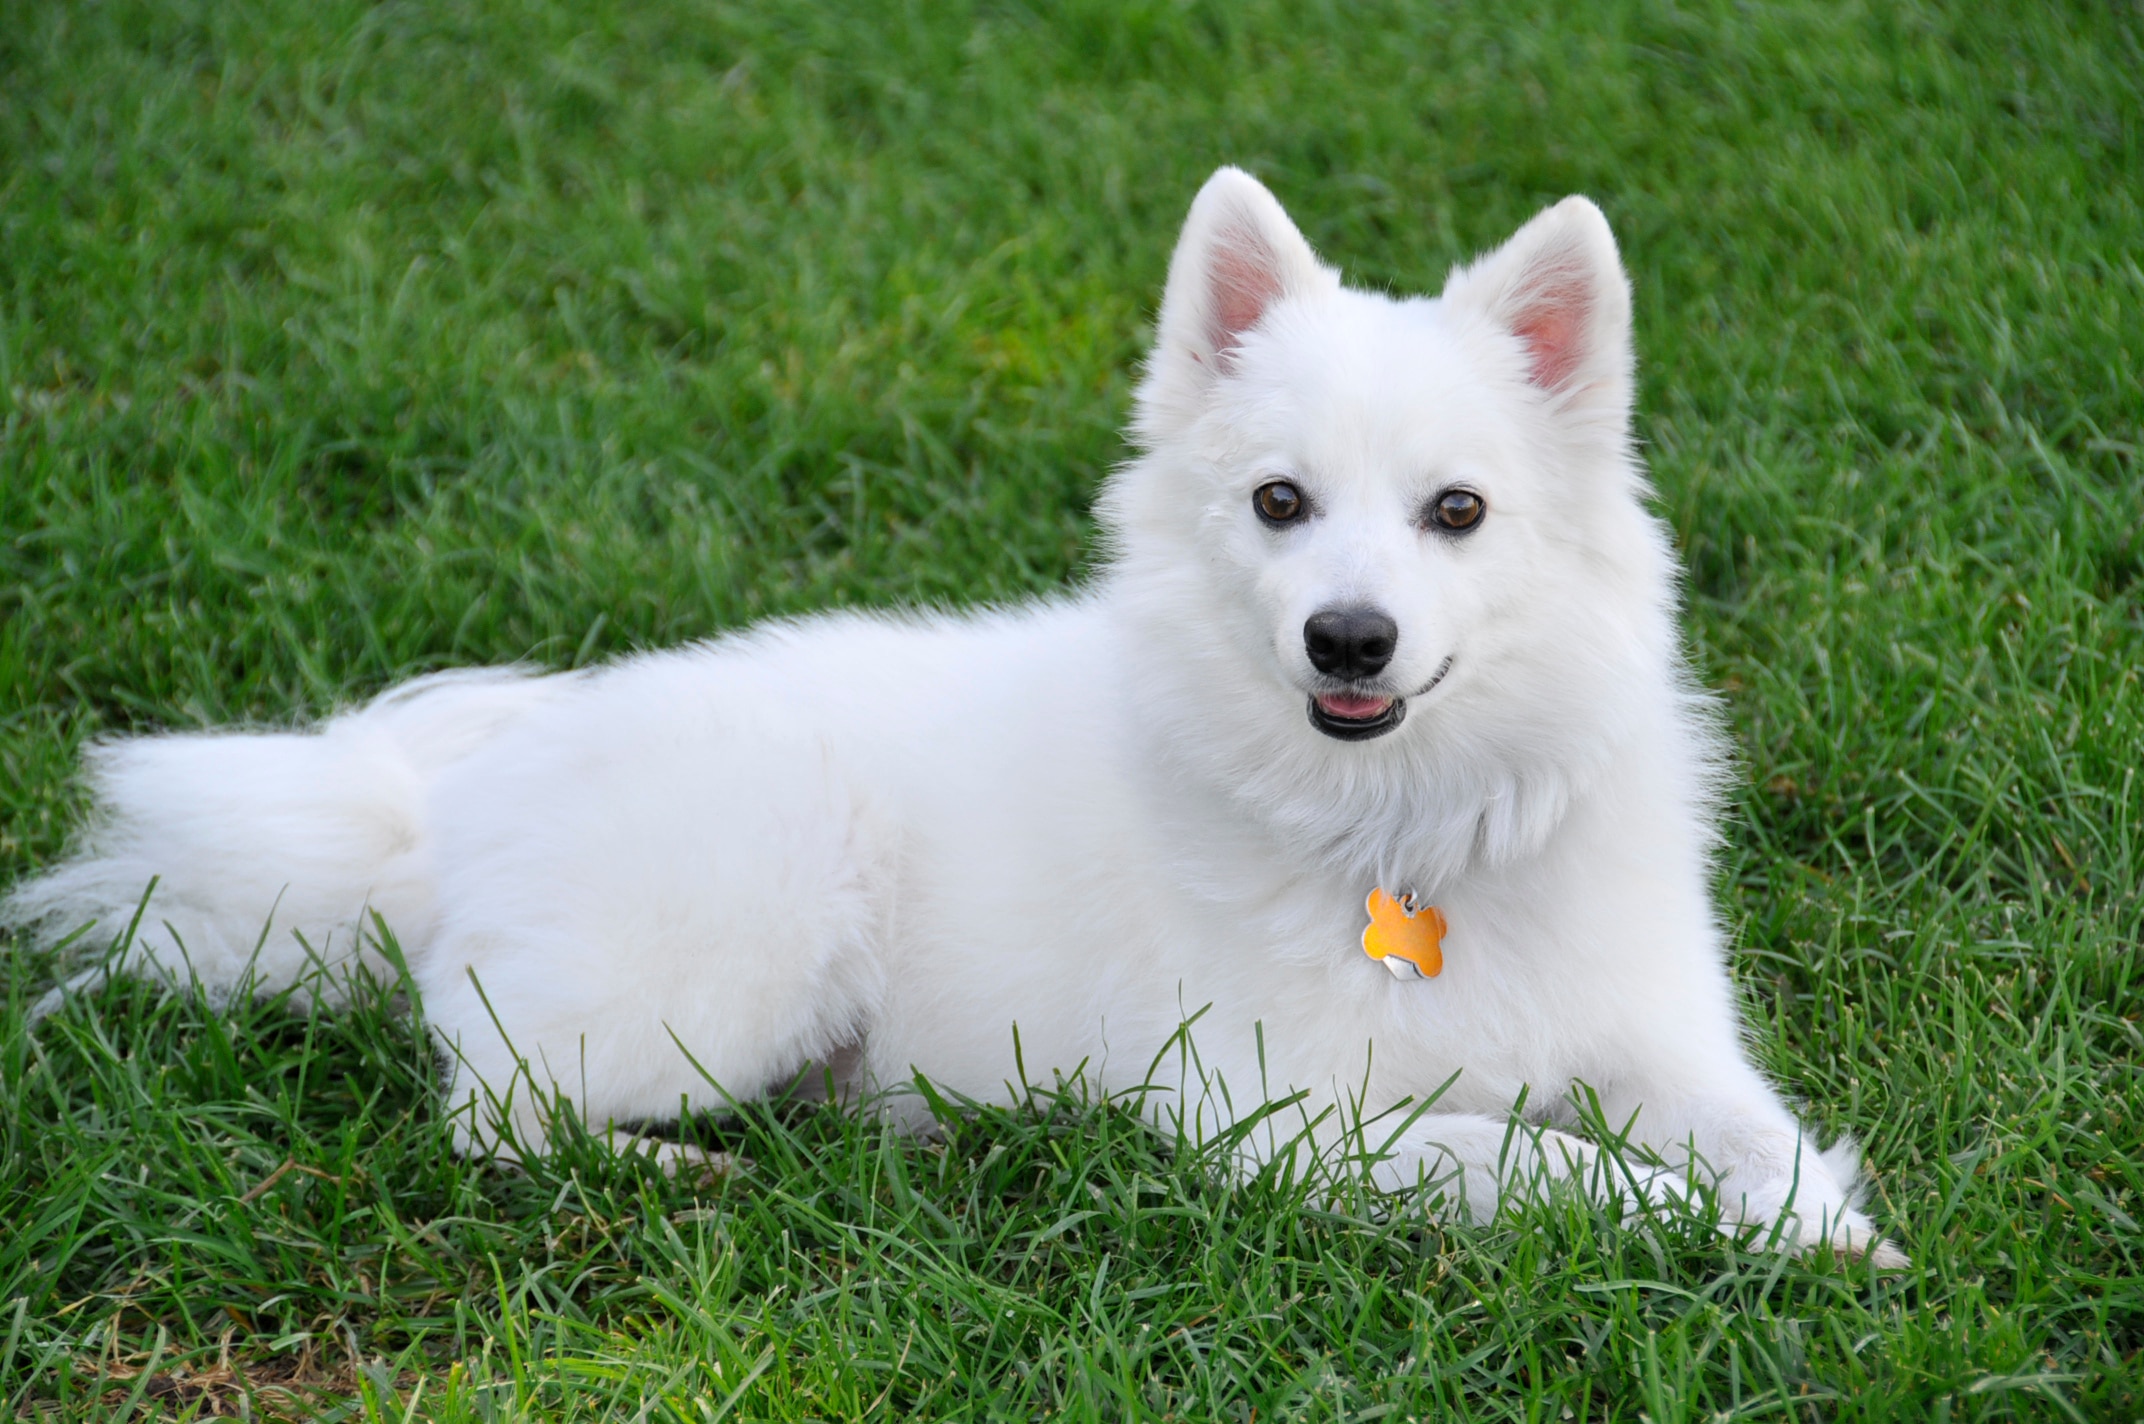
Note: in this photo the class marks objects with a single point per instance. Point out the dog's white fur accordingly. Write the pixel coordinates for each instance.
(883, 843)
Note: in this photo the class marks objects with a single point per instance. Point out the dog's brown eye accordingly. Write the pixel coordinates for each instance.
(1457, 510)
(1279, 502)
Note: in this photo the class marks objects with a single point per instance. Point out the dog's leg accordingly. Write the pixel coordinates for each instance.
(651, 902)
(1728, 1127)
(1479, 1162)
(1637, 989)
(1471, 1163)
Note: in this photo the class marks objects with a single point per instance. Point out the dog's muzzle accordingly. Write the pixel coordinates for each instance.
(1367, 728)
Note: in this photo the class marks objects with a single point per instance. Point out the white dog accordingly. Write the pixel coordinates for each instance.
(1384, 646)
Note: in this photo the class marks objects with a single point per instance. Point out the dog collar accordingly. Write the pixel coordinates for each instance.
(1407, 940)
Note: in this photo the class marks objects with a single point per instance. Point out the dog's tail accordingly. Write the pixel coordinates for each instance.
(269, 852)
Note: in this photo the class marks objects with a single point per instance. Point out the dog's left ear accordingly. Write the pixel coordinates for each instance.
(1238, 258)
(1558, 287)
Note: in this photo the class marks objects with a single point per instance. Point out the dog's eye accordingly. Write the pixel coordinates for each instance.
(1279, 502)
(1457, 510)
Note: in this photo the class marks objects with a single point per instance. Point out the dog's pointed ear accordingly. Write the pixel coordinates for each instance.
(1237, 258)
(1558, 287)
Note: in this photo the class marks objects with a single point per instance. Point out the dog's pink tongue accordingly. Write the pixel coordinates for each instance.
(1353, 709)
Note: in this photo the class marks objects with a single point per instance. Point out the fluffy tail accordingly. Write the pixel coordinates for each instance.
(269, 851)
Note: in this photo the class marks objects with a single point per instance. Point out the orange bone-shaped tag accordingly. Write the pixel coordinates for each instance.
(1409, 942)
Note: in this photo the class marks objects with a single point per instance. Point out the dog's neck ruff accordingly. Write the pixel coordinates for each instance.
(1407, 940)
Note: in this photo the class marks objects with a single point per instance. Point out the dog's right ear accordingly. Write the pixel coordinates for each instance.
(1237, 259)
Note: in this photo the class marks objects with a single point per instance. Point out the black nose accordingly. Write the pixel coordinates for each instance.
(1350, 642)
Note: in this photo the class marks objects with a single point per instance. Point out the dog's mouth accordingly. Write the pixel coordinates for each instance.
(1356, 716)
(1351, 717)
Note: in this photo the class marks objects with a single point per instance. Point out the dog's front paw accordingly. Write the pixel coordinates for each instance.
(1848, 1233)
(1885, 1256)
(1855, 1238)
(1811, 1205)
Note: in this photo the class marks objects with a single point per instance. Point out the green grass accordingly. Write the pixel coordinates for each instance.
(342, 341)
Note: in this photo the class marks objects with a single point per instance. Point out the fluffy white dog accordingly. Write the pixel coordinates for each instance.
(1371, 746)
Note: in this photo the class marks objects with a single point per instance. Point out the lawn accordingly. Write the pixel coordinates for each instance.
(341, 341)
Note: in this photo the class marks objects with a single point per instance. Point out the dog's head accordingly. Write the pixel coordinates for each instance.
(1357, 516)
